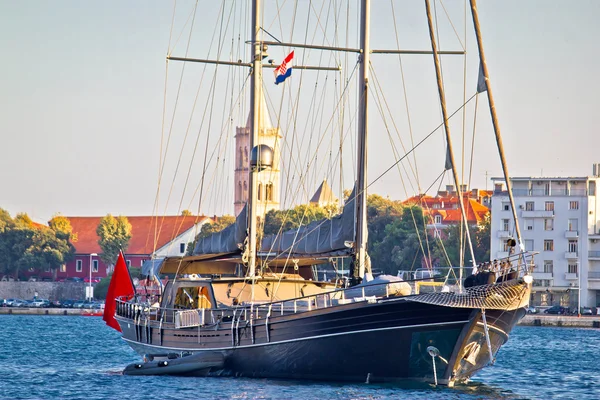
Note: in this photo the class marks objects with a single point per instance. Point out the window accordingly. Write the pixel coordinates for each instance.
(548, 224)
(78, 265)
(246, 155)
(549, 206)
(63, 268)
(592, 189)
(269, 191)
(182, 247)
(438, 219)
(240, 158)
(573, 205)
(548, 266)
(528, 224)
(95, 266)
(506, 206)
(128, 263)
(572, 245)
(505, 246)
(573, 224)
(506, 225)
(436, 206)
(542, 282)
(528, 244)
(548, 245)
(259, 194)
(572, 268)
(529, 206)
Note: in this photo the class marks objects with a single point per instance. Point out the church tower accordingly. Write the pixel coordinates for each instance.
(268, 180)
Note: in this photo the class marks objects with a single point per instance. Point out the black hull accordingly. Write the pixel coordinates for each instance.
(376, 342)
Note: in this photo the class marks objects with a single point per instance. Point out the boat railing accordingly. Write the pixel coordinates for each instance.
(143, 309)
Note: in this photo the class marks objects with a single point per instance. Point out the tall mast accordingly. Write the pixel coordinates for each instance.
(495, 122)
(361, 183)
(438, 73)
(255, 88)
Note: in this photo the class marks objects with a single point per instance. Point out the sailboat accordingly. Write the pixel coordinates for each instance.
(252, 305)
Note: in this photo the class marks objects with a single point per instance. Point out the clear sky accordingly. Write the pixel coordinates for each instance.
(81, 97)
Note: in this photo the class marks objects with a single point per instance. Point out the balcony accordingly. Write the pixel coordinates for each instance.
(542, 275)
(594, 275)
(594, 255)
(571, 234)
(537, 214)
(504, 234)
(571, 255)
(570, 276)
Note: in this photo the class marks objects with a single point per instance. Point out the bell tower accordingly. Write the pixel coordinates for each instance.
(268, 180)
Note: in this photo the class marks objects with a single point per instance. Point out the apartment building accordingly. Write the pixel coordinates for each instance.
(559, 219)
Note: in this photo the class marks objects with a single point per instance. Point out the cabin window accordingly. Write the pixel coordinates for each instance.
(182, 247)
(78, 265)
(192, 298)
(95, 266)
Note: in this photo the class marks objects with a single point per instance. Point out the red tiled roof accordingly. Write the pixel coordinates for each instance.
(143, 233)
(450, 212)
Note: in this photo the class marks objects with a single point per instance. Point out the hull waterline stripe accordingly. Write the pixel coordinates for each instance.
(299, 339)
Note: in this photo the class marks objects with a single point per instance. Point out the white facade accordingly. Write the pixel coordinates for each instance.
(178, 246)
(559, 219)
(269, 179)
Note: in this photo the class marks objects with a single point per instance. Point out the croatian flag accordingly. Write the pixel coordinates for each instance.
(284, 70)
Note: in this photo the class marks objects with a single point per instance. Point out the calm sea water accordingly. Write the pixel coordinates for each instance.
(50, 357)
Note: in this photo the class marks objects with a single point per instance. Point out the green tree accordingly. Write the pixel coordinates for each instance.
(399, 247)
(62, 226)
(210, 228)
(480, 237)
(25, 245)
(114, 234)
(303, 214)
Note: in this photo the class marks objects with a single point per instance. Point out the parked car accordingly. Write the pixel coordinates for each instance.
(10, 302)
(21, 303)
(532, 310)
(586, 311)
(74, 279)
(37, 303)
(68, 303)
(557, 310)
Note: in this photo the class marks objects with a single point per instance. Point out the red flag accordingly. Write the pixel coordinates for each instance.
(120, 285)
